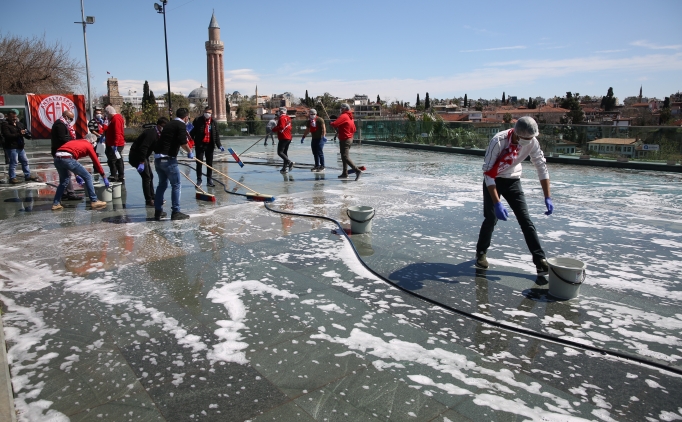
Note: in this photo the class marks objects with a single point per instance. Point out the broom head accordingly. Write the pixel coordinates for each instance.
(260, 197)
(205, 197)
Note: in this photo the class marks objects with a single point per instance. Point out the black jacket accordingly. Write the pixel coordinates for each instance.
(12, 135)
(142, 147)
(60, 135)
(199, 131)
(174, 135)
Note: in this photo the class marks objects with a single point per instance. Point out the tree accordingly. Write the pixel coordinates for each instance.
(427, 102)
(34, 65)
(228, 112)
(418, 102)
(466, 101)
(608, 103)
(307, 99)
(666, 114)
(575, 114)
(504, 98)
(378, 100)
(532, 104)
(178, 101)
(145, 94)
(128, 112)
(507, 118)
(328, 104)
(152, 98)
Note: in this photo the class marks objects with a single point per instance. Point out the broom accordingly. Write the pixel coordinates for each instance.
(250, 147)
(252, 194)
(203, 195)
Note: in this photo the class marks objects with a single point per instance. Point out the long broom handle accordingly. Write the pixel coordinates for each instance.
(198, 187)
(223, 174)
(250, 146)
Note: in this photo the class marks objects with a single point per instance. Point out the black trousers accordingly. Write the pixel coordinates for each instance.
(201, 153)
(509, 189)
(282, 150)
(147, 181)
(116, 168)
(344, 149)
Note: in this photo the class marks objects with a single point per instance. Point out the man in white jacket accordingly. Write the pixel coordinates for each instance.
(502, 172)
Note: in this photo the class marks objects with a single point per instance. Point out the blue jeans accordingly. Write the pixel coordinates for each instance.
(168, 171)
(66, 165)
(18, 156)
(317, 146)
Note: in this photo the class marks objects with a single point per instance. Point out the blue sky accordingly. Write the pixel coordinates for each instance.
(395, 49)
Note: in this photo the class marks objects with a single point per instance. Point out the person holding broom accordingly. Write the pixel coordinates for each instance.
(502, 177)
(345, 126)
(283, 131)
(206, 140)
(318, 132)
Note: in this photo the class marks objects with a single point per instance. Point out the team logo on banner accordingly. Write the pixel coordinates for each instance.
(51, 108)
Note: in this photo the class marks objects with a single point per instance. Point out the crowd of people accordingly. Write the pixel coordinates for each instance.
(501, 168)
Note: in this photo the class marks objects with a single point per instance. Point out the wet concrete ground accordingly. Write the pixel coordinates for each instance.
(242, 314)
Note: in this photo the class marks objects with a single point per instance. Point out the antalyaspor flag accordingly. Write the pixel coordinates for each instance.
(47, 109)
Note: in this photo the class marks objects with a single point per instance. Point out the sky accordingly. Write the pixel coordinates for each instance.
(395, 49)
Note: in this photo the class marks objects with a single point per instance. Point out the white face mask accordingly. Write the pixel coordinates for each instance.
(524, 142)
(207, 115)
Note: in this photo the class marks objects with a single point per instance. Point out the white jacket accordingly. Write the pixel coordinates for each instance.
(499, 143)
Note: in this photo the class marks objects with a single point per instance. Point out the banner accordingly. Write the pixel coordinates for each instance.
(47, 109)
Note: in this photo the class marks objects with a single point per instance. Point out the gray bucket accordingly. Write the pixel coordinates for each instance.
(115, 189)
(360, 219)
(103, 193)
(566, 275)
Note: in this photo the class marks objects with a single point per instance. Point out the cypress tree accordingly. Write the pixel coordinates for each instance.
(378, 100)
(466, 101)
(152, 98)
(418, 102)
(503, 98)
(427, 102)
(145, 94)
(307, 99)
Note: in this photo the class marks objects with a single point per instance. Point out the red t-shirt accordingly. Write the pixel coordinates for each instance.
(344, 125)
(79, 148)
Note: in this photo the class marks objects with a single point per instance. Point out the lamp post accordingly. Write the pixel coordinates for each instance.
(85, 21)
(161, 8)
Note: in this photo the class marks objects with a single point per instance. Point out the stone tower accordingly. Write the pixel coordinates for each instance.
(113, 96)
(215, 71)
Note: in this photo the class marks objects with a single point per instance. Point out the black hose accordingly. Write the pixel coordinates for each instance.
(518, 330)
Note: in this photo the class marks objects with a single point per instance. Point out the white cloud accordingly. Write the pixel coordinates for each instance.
(159, 87)
(238, 75)
(515, 47)
(646, 44)
(609, 51)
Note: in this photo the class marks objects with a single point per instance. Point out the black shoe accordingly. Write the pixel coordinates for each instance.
(158, 214)
(177, 215)
(343, 176)
(122, 180)
(284, 170)
(358, 172)
(72, 197)
(320, 169)
(149, 204)
(210, 184)
(315, 168)
(198, 182)
(542, 267)
(291, 165)
(481, 260)
(265, 144)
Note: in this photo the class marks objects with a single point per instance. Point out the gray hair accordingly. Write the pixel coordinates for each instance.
(345, 106)
(283, 110)
(526, 127)
(110, 110)
(313, 111)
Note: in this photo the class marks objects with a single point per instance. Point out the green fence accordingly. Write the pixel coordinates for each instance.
(662, 142)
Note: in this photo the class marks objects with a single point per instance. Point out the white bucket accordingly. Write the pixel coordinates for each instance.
(360, 219)
(566, 275)
(103, 193)
(116, 189)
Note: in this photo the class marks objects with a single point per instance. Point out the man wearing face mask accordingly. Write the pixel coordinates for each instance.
(13, 132)
(318, 132)
(502, 177)
(206, 139)
(62, 132)
(115, 143)
(138, 157)
(173, 137)
(283, 131)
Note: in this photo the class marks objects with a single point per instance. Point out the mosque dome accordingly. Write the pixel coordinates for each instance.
(200, 93)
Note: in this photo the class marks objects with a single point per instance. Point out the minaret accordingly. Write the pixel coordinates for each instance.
(256, 95)
(215, 70)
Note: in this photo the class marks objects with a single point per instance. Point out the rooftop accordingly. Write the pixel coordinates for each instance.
(614, 141)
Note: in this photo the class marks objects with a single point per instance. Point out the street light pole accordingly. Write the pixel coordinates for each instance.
(161, 8)
(84, 22)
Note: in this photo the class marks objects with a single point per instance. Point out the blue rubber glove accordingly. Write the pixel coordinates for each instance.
(140, 168)
(222, 149)
(501, 212)
(105, 181)
(324, 139)
(302, 139)
(550, 206)
(79, 180)
(190, 155)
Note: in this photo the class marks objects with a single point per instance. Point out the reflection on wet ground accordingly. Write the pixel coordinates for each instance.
(242, 314)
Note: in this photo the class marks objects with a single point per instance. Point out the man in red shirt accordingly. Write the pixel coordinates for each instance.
(115, 142)
(283, 131)
(66, 160)
(345, 126)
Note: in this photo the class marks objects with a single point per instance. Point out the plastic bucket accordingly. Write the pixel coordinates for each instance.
(103, 193)
(115, 189)
(360, 219)
(566, 275)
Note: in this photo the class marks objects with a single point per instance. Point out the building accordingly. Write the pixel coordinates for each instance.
(113, 96)
(364, 111)
(359, 100)
(565, 147)
(135, 100)
(614, 146)
(199, 97)
(216, 72)
(545, 114)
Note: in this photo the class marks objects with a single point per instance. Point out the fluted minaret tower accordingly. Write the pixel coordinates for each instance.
(215, 70)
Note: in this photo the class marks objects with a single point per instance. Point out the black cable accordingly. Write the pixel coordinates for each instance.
(518, 330)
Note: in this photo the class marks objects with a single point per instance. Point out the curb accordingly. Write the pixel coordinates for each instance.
(7, 410)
